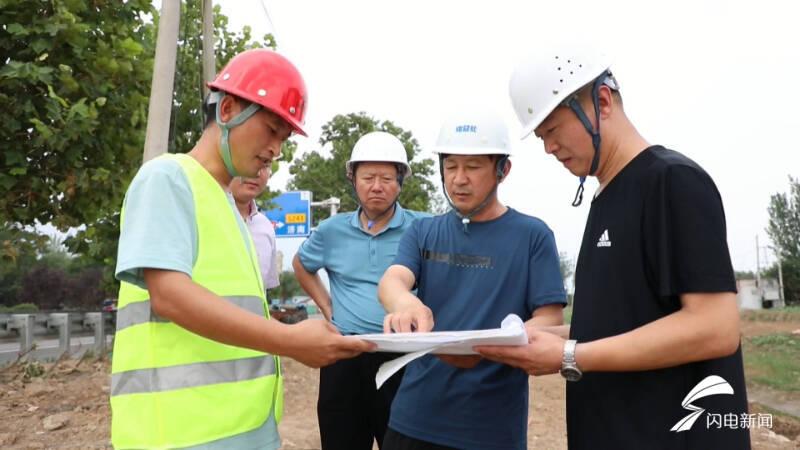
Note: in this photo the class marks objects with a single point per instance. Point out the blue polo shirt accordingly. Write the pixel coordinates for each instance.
(355, 261)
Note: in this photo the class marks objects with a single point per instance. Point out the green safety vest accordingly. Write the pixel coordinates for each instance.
(172, 388)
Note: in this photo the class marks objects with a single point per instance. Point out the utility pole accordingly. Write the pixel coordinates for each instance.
(758, 264)
(209, 57)
(780, 277)
(158, 113)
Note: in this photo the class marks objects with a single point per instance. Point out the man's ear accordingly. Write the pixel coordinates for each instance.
(506, 169)
(605, 99)
(228, 108)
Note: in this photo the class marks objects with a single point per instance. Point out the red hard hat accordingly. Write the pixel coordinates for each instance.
(266, 78)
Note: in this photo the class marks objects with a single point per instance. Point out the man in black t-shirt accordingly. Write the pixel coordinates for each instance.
(652, 355)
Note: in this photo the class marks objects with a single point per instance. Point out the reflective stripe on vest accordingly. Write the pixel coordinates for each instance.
(141, 312)
(173, 388)
(191, 375)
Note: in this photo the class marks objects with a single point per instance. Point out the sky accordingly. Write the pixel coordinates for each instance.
(715, 80)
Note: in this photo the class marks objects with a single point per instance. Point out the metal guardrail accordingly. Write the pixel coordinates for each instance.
(27, 326)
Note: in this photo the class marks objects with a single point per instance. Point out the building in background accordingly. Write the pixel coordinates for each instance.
(754, 295)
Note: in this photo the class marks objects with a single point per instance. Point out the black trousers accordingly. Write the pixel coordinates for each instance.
(398, 441)
(351, 412)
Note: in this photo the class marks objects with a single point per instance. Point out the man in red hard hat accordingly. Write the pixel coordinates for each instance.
(195, 351)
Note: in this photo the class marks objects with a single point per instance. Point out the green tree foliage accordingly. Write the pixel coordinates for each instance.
(791, 279)
(326, 176)
(49, 277)
(98, 242)
(74, 84)
(784, 231)
(74, 79)
(289, 287)
(19, 249)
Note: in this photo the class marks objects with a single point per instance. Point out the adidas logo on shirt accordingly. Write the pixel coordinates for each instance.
(604, 241)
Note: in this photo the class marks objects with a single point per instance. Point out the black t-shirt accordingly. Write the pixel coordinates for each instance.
(655, 232)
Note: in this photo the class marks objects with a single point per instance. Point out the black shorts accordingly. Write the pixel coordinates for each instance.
(397, 441)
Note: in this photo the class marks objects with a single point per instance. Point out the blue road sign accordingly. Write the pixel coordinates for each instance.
(291, 216)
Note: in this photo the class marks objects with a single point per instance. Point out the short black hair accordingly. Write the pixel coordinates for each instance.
(585, 92)
(210, 109)
(209, 112)
(399, 167)
(498, 159)
(492, 156)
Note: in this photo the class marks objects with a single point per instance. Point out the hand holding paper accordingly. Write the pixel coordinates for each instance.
(413, 316)
(511, 332)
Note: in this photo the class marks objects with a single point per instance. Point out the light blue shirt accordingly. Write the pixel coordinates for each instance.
(159, 232)
(355, 261)
(159, 229)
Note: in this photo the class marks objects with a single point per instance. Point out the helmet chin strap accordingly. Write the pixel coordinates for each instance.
(575, 106)
(579, 194)
(467, 218)
(224, 144)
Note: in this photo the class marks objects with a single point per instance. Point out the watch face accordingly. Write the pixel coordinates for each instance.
(571, 373)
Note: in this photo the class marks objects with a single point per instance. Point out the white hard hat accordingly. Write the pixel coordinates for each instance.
(379, 146)
(541, 82)
(475, 132)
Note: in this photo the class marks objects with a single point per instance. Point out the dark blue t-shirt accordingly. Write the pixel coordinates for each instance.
(472, 281)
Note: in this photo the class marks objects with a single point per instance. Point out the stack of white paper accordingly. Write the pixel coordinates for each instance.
(511, 332)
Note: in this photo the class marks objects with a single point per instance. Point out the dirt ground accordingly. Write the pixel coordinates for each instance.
(65, 406)
(546, 423)
(547, 428)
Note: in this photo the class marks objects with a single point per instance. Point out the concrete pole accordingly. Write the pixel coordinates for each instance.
(62, 322)
(758, 264)
(24, 323)
(209, 57)
(160, 109)
(97, 321)
(780, 277)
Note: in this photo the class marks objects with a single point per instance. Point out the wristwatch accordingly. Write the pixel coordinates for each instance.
(569, 367)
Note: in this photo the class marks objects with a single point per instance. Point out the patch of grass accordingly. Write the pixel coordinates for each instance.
(32, 369)
(567, 314)
(22, 308)
(782, 423)
(788, 314)
(773, 360)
